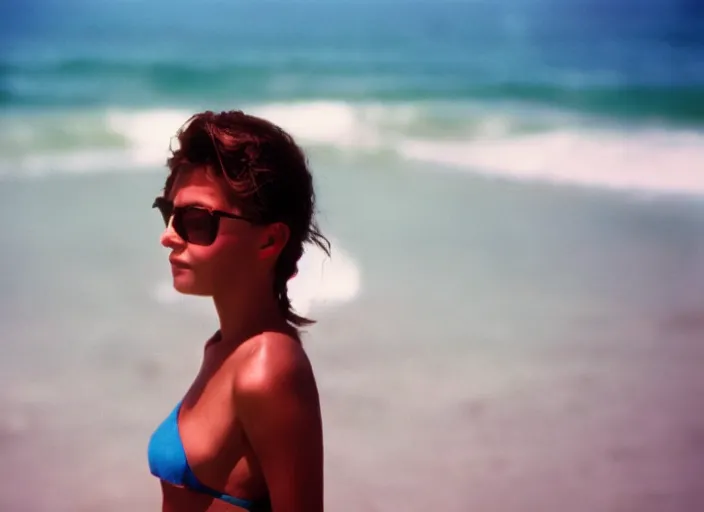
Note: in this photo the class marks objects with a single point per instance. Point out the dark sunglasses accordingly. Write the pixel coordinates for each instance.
(194, 224)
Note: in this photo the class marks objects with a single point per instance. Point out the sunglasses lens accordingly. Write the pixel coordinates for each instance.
(196, 226)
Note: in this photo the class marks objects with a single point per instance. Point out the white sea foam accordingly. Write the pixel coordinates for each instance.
(86, 142)
(505, 142)
(653, 161)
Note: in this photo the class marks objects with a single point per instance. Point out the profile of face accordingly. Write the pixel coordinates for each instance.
(214, 248)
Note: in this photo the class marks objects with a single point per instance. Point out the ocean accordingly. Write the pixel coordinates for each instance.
(512, 318)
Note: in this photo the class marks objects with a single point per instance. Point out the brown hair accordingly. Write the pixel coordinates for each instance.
(269, 180)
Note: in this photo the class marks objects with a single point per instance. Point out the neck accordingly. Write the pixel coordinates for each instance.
(245, 315)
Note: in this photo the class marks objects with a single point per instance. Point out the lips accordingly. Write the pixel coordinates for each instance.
(177, 263)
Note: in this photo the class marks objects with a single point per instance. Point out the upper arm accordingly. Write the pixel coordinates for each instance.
(278, 406)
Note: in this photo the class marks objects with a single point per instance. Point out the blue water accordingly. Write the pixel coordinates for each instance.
(623, 84)
(512, 317)
(626, 59)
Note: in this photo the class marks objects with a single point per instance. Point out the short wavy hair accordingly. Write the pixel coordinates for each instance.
(268, 177)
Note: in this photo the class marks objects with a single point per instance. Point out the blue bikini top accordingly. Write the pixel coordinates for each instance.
(167, 461)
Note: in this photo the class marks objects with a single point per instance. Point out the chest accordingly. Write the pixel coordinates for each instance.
(207, 420)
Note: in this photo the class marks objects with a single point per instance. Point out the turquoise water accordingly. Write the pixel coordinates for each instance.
(508, 88)
(512, 317)
(592, 56)
(473, 84)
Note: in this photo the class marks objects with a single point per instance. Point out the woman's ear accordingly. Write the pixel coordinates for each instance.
(273, 240)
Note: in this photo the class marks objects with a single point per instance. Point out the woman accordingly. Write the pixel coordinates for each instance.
(238, 206)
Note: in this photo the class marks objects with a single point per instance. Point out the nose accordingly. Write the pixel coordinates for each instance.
(170, 239)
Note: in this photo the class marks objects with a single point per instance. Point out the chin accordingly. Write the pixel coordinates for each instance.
(188, 287)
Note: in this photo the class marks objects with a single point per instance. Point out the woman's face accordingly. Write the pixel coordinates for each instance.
(242, 253)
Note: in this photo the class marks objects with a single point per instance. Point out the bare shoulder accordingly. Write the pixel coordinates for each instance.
(278, 407)
(273, 362)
